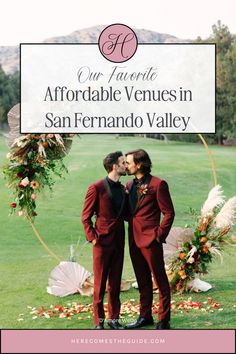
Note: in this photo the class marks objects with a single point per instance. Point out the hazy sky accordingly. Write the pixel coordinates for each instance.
(36, 20)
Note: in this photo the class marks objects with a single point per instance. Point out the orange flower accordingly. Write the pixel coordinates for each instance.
(45, 144)
(182, 274)
(205, 249)
(182, 255)
(34, 184)
(203, 239)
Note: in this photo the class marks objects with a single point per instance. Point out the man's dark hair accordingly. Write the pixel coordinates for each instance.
(142, 157)
(111, 159)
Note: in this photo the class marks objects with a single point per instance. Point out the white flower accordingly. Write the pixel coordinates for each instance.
(25, 181)
(208, 244)
(215, 198)
(49, 136)
(41, 150)
(190, 260)
(192, 251)
(59, 139)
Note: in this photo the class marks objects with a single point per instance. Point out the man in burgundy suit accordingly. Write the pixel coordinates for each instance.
(106, 200)
(149, 197)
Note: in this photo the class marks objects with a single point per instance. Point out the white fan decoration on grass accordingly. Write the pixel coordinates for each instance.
(68, 278)
(197, 285)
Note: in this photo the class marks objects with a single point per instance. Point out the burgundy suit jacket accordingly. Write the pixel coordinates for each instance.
(145, 223)
(98, 202)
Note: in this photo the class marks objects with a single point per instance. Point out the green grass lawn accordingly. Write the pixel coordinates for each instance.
(25, 266)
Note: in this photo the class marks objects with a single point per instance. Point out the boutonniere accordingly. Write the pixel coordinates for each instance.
(143, 189)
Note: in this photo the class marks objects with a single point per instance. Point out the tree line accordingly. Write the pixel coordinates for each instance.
(9, 94)
(225, 90)
(225, 83)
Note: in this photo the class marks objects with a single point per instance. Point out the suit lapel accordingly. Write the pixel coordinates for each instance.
(139, 202)
(130, 187)
(108, 190)
(122, 204)
(141, 196)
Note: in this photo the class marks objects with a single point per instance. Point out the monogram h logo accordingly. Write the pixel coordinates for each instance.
(118, 43)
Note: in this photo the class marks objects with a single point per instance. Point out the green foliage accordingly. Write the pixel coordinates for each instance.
(225, 92)
(9, 94)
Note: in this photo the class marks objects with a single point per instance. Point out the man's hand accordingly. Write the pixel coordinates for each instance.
(94, 242)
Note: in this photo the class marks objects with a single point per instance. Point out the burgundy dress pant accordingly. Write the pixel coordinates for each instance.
(145, 261)
(107, 265)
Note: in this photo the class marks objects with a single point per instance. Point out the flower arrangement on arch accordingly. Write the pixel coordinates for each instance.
(211, 233)
(33, 158)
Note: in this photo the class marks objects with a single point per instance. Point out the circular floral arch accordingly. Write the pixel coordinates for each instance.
(33, 159)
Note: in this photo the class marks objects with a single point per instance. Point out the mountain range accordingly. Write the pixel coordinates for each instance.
(9, 55)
